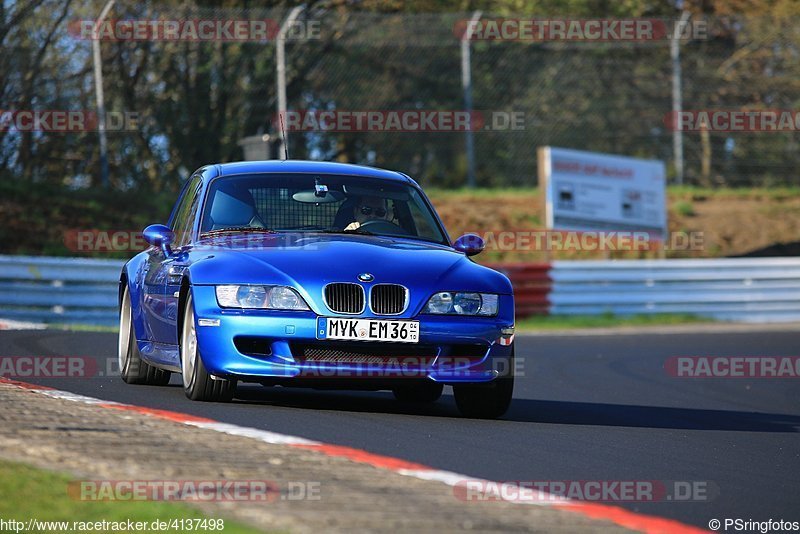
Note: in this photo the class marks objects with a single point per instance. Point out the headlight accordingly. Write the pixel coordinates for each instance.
(285, 298)
(484, 304)
(440, 303)
(263, 297)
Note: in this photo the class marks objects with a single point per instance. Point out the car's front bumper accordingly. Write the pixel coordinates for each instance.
(259, 345)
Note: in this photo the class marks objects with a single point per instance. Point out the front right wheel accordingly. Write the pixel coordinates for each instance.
(486, 401)
(198, 384)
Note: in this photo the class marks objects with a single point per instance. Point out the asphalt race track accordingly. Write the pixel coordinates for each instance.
(587, 408)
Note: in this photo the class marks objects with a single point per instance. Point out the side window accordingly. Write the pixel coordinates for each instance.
(185, 213)
(426, 226)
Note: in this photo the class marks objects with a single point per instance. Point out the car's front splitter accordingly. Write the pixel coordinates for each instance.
(257, 345)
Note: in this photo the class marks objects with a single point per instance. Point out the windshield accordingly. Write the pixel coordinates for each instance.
(318, 203)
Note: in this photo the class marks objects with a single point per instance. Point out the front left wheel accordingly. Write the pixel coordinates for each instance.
(198, 384)
(487, 401)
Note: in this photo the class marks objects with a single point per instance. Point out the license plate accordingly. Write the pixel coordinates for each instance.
(368, 330)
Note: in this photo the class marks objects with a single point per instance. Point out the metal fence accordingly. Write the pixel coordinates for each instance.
(748, 290)
(84, 291)
(532, 286)
(59, 290)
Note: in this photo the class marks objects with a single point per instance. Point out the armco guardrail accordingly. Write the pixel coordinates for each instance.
(59, 290)
(741, 289)
(76, 290)
(532, 286)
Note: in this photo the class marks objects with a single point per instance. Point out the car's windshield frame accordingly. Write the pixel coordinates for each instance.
(421, 201)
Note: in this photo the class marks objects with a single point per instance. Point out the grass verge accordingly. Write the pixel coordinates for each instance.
(30, 493)
(83, 327)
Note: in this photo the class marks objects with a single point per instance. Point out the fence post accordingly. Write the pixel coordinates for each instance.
(466, 85)
(280, 61)
(677, 98)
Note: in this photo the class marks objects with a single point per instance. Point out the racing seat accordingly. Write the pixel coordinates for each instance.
(234, 207)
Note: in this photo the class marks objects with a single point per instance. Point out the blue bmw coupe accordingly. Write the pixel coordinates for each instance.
(313, 274)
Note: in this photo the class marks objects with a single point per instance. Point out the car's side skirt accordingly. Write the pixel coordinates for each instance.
(161, 355)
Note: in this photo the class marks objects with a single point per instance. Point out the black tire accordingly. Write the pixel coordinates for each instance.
(132, 368)
(424, 392)
(198, 385)
(486, 401)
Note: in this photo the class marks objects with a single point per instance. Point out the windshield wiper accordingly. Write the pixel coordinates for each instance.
(367, 232)
(356, 231)
(238, 229)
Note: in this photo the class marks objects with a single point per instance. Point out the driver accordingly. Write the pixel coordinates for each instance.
(369, 209)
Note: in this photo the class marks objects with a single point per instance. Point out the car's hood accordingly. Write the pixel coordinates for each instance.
(309, 261)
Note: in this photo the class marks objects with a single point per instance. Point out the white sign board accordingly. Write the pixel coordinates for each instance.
(587, 191)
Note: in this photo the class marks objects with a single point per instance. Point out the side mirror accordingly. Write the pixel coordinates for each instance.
(469, 244)
(160, 236)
